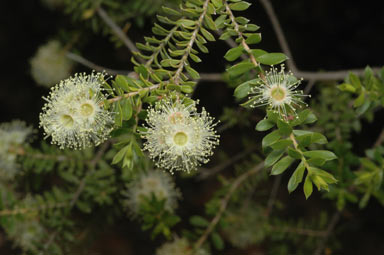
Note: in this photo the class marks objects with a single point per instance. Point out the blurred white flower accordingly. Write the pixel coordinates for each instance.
(50, 64)
(158, 184)
(12, 136)
(179, 246)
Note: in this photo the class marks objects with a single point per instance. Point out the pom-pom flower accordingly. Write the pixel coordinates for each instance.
(157, 184)
(50, 64)
(179, 246)
(178, 137)
(74, 115)
(12, 136)
(278, 91)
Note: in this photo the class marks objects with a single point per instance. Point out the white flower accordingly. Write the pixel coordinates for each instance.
(238, 231)
(278, 92)
(179, 246)
(50, 64)
(74, 116)
(152, 183)
(178, 137)
(12, 135)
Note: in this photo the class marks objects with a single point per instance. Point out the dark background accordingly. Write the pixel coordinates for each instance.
(322, 34)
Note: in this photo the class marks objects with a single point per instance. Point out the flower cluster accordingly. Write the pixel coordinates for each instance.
(278, 91)
(12, 136)
(150, 184)
(50, 64)
(74, 115)
(179, 246)
(179, 137)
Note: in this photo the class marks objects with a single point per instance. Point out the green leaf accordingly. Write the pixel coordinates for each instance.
(272, 58)
(243, 89)
(217, 3)
(359, 101)
(284, 128)
(264, 125)
(354, 80)
(273, 157)
(257, 52)
(251, 27)
(270, 138)
(192, 72)
(126, 108)
(239, 69)
(122, 82)
(207, 34)
(347, 87)
(217, 241)
(210, 24)
(308, 187)
(198, 221)
(239, 6)
(296, 177)
(282, 165)
(294, 153)
(195, 58)
(281, 144)
(187, 89)
(253, 39)
(234, 53)
(324, 154)
(120, 155)
(186, 22)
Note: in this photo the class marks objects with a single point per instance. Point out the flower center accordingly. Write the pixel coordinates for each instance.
(278, 93)
(180, 138)
(67, 120)
(86, 109)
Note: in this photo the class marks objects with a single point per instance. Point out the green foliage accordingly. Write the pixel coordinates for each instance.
(42, 208)
(296, 144)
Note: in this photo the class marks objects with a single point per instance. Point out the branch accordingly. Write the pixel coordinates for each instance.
(224, 202)
(299, 231)
(212, 171)
(79, 59)
(118, 32)
(243, 43)
(331, 226)
(307, 75)
(9, 212)
(273, 195)
(191, 42)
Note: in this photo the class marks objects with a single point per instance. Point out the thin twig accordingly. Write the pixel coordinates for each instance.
(93, 66)
(279, 33)
(379, 139)
(212, 171)
(309, 87)
(299, 231)
(119, 33)
(331, 226)
(224, 202)
(307, 75)
(273, 195)
(15, 211)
